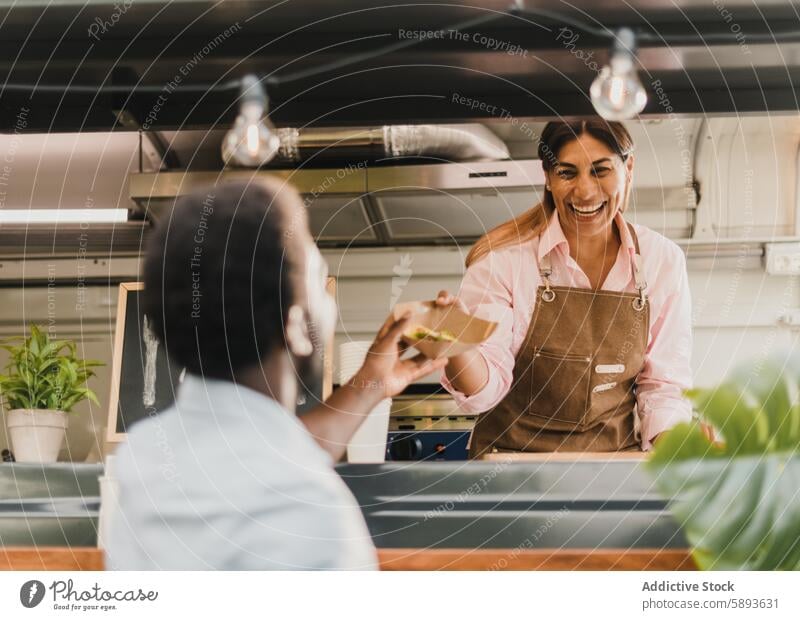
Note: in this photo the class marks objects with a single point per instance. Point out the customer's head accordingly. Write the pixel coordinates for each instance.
(232, 276)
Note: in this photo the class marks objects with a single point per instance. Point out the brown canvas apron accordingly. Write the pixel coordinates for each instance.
(574, 375)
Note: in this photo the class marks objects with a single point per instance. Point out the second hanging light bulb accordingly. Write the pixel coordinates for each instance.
(252, 140)
(617, 94)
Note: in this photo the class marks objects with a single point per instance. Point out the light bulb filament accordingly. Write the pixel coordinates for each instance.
(616, 91)
(253, 139)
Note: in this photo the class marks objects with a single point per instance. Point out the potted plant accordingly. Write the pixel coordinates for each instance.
(44, 380)
(738, 501)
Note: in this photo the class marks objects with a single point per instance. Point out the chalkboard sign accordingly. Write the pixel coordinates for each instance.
(144, 381)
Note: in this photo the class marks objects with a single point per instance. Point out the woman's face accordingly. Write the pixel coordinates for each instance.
(588, 184)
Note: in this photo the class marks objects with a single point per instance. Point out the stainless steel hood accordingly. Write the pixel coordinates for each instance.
(363, 200)
(358, 204)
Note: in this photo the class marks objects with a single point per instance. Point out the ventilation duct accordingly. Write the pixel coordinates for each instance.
(444, 142)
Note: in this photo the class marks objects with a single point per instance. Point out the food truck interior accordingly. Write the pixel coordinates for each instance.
(409, 132)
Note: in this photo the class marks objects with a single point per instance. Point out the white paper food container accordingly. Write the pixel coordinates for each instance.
(469, 330)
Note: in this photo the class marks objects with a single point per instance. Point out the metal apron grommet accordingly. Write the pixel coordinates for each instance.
(641, 301)
(546, 271)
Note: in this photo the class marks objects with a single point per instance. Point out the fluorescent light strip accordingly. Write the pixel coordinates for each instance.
(62, 216)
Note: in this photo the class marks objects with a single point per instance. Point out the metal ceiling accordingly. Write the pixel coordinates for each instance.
(535, 73)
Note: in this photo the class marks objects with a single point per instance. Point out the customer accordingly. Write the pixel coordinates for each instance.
(229, 477)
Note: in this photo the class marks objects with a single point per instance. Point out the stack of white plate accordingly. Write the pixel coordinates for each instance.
(109, 492)
(368, 445)
(351, 357)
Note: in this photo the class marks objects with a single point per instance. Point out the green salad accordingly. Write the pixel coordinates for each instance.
(420, 332)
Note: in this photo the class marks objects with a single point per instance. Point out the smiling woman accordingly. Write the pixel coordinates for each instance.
(602, 135)
(586, 356)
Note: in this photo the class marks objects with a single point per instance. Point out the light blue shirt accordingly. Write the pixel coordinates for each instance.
(228, 479)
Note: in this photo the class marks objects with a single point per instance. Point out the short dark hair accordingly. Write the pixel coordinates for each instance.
(221, 272)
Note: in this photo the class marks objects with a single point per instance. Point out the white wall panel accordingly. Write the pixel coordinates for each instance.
(736, 312)
(736, 307)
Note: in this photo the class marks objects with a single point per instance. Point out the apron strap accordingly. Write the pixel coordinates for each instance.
(638, 277)
(546, 270)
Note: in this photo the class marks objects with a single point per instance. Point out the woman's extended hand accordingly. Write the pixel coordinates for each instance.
(446, 299)
(467, 372)
(384, 373)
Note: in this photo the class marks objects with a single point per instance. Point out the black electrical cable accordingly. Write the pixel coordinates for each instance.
(118, 88)
(648, 36)
(603, 33)
(788, 36)
(268, 80)
(388, 49)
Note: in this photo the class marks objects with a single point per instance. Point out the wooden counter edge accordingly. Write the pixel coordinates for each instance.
(560, 457)
(536, 559)
(91, 559)
(51, 558)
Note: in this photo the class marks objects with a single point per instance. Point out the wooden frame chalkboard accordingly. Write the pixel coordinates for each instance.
(137, 354)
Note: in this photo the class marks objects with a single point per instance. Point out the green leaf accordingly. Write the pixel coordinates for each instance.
(738, 501)
(740, 513)
(684, 441)
(743, 425)
(34, 342)
(45, 374)
(773, 385)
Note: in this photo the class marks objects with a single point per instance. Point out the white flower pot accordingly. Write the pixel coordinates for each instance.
(36, 434)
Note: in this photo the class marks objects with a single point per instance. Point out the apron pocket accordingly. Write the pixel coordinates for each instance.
(609, 398)
(559, 396)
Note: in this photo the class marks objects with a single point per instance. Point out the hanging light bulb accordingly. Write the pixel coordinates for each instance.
(252, 140)
(617, 94)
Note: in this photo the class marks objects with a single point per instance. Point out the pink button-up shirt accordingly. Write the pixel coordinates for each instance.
(502, 287)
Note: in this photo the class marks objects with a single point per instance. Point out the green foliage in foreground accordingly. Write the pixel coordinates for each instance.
(738, 500)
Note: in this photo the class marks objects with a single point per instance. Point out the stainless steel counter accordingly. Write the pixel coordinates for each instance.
(51, 505)
(584, 504)
(588, 504)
